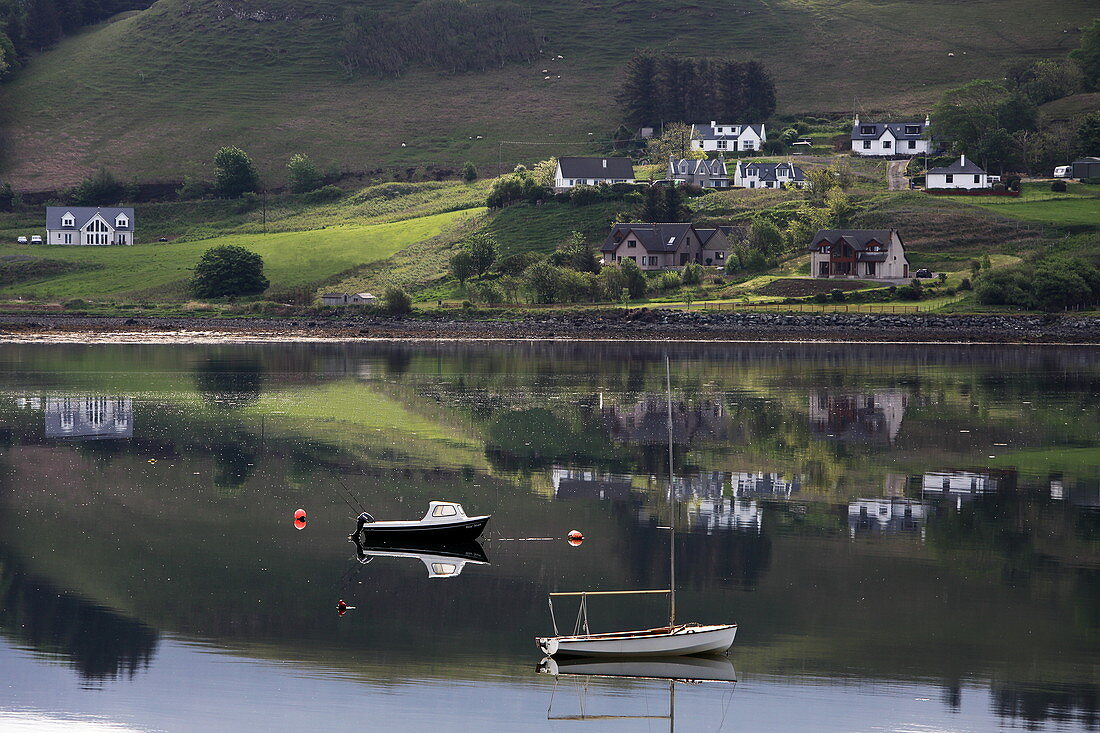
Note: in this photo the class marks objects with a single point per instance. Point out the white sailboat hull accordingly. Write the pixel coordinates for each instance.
(679, 641)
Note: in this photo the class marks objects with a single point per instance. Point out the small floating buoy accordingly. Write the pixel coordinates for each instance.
(300, 519)
(300, 514)
(152, 460)
(575, 538)
(342, 607)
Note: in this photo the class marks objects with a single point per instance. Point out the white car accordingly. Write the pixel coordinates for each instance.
(22, 240)
(36, 239)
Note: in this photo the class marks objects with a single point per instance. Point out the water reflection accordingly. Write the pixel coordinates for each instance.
(441, 561)
(968, 478)
(89, 418)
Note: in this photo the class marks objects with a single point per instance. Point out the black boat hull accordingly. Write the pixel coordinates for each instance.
(466, 531)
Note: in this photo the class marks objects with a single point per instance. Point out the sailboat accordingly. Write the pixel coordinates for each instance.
(672, 640)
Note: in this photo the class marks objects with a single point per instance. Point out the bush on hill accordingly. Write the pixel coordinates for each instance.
(302, 175)
(397, 301)
(1052, 283)
(101, 189)
(228, 271)
(234, 173)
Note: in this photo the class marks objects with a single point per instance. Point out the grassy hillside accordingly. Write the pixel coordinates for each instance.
(155, 93)
(160, 271)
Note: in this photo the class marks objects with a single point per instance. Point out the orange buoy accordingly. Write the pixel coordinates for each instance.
(575, 538)
(300, 514)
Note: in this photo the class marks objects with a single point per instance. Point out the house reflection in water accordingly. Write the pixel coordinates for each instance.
(571, 483)
(961, 486)
(725, 514)
(89, 418)
(869, 416)
(646, 421)
(886, 516)
(765, 484)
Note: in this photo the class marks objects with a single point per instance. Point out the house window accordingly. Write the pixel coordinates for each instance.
(912, 129)
(722, 144)
(871, 269)
(719, 255)
(977, 178)
(912, 144)
(886, 144)
(949, 178)
(68, 222)
(749, 145)
(120, 221)
(122, 239)
(630, 243)
(571, 183)
(866, 144)
(867, 130)
(68, 239)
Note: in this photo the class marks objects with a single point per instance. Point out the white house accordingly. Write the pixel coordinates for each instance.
(89, 225)
(592, 172)
(701, 172)
(768, 175)
(716, 138)
(874, 253)
(346, 299)
(960, 174)
(890, 138)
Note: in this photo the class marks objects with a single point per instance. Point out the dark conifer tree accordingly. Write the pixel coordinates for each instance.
(760, 93)
(43, 27)
(638, 97)
(729, 88)
(653, 205)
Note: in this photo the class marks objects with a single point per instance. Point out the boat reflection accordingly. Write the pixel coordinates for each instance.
(677, 669)
(442, 561)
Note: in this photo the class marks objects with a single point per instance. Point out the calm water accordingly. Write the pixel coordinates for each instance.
(909, 537)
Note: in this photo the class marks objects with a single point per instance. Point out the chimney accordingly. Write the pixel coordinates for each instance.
(605, 162)
(927, 120)
(962, 160)
(856, 121)
(714, 123)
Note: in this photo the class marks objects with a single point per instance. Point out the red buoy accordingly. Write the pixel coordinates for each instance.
(300, 514)
(575, 538)
(300, 519)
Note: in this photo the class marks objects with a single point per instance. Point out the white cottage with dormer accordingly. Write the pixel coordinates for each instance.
(724, 138)
(890, 139)
(89, 225)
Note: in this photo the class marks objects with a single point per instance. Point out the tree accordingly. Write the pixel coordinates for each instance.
(462, 266)
(543, 280)
(302, 174)
(674, 142)
(1087, 55)
(469, 172)
(483, 252)
(612, 282)
(100, 189)
(543, 172)
(692, 273)
(653, 205)
(228, 271)
(396, 300)
(9, 199)
(838, 208)
(577, 254)
(675, 208)
(1050, 79)
(765, 237)
(635, 278)
(234, 173)
(638, 96)
(1088, 134)
(759, 93)
(802, 227)
(7, 55)
(819, 182)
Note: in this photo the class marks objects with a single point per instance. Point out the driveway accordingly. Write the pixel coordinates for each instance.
(895, 175)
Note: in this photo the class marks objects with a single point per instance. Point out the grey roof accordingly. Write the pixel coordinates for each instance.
(616, 168)
(859, 239)
(1087, 160)
(708, 240)
(772, 171)
(962, 165)
(879, 128)
(83, 214)
(706, 132)
(654, 237)
(700, 167)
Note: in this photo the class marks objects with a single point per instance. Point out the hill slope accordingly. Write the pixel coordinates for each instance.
(154, 93)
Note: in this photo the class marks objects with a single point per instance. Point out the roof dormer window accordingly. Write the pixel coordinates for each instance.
(867, 130)
(67, 220)
(912, 129)
(121, 221)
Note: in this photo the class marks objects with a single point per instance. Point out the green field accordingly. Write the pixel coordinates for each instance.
(154, 93)
(1078, 206)
(291, 259)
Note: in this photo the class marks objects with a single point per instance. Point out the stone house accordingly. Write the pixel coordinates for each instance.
(858, 253)
(662, 246)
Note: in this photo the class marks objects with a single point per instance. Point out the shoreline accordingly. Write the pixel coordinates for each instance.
(606, 326)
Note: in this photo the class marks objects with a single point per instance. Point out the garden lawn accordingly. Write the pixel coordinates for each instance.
(161, 271)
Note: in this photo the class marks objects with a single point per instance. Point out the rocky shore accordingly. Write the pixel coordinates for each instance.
(643, 324)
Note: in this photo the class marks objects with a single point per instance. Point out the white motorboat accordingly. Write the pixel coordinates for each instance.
(445, 521)
(671, 640)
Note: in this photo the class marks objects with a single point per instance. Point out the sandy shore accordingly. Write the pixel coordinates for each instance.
(635, 325)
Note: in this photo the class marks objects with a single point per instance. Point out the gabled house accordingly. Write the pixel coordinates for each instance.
(890, 138)
(89, 225)
(348, 299)
(705, 173)
(721, 138)
(960, 174)
(657, 246)
(592, 172)
(750, 174)
(856, 253)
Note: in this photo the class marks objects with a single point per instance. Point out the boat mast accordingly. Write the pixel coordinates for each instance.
(672, 507)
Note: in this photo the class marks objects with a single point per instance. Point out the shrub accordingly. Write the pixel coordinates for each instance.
(469, 172)
(584, 195)
(74, 304)
(1058, 187)
(101, 189)
(396, 300)
(302, 175)
(228, 271)
(837, 295)
(999, 187)
(635, 278)
(192, 189)
(542, 280)
(323, 194)
(490, 293)
(692, 274)
(1091, 181)
(515, 264)
(666, 281)
(821, 298)
(908, 292)
(234, 173)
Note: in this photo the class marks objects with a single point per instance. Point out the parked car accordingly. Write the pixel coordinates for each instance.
(36, 239)
(163, 239)
(22, 240)
(923, 273)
